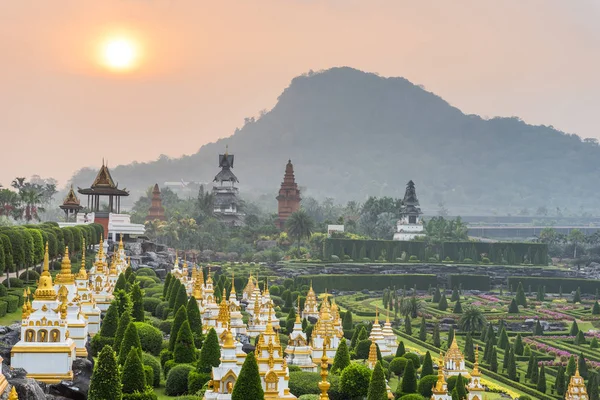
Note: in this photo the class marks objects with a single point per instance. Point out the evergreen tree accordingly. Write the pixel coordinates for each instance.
(460, 387)
(123, 301)
(123, 324)
(530, 364)
(490, 334)
(166, 285)
(210, 354)
(450, 335)
(514, 307)
(487, 352)
(594, 343)
(180, 316)
(378, 384)
(173, 293)
(571, 367)
(494, 360)
(354, 339)
(423, 330)
(503, 342)
(400, 351)
(455, 395)
(574, 329)
(518, 345)
(538, 330)
(596, 308)
(105, 383)
(128, 273)
(172, 284)
(409, 379)
(131, 339)
(436, 335)
(443, 304)
(437, 295)
(511, 370)
(592, 386)
(347, 323)
(577, 296)
(469, 349)
(137, 310)
(121, 283)
(559, 384)
(580, 338)
(407, 325)
(134, 377)
(427, 368)
(583, 369)
(455, 296)
(342, 358)
(501, 325)
(110, 322)
(541, 383)
(195, 319)
(181, 299)
(457, 308)
(535, 373)
(363, 334)
(185, 349)
(248, 384)
(520, 297)
(505, 360)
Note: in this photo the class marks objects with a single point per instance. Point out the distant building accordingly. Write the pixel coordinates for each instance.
(225, 192)
(288, 200)
(71, 205)
(156, 211)
(334, 228)
(410, 224)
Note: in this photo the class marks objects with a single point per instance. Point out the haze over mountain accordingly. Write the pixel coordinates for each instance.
(352, 134)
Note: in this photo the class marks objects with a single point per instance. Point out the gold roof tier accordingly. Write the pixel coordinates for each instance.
(82, 274)
(577, 389)
(99, 264)
(372, 359)
(454, 353)
(45, 289)
(224, 316)
(65, 276)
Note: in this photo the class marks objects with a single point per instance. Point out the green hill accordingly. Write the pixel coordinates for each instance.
(351, 134)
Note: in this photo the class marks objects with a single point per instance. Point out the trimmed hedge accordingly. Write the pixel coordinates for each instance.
(12, 303)
(553, 285)
(197, 380)
(475, 282)
(150, 361)
(98, 343)
(150, 304)
(499, 253)
(14, 283)
(177, 379)
(3, 308)
(145, 271)
(371, 282)
(33, 276)
(150, 337)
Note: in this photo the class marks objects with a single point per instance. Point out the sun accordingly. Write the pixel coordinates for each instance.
(120, 54)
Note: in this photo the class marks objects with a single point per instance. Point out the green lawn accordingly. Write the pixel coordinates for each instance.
(11, 318)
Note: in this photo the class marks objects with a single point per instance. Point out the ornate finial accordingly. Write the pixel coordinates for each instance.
(266, 285)
(376, 315)
(13, 394)
(476, 364)
(232, 292)
(372, 360)
(226, 150)
(298, 313)
(228, 343)
(269, 328)
(324, 385)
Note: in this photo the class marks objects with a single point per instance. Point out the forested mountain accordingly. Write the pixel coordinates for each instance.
(352, 134)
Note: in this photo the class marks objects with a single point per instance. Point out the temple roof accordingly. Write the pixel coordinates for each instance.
(410, 203)
(226, 163)
(104, 184)
(71, 201)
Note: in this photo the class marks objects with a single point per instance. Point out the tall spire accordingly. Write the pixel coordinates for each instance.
(232, 292)
(324, 385)
(65, 276)
(298, 313)
(46, 267)
(45, 289)
(82, 274)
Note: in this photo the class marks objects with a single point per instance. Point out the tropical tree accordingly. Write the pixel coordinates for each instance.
(576, 237)
(299, 226)
(472, 319)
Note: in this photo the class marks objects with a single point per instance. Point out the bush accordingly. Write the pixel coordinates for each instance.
(160, 307)
(150, 304)
(165, 326)
(177, 380)
(197, 380)
(149, 372)
(397, 365)
(12, 303)
(165, 355)
(3, 308)
(425, 384)
(302, 383)
(416, 360)
(14, 283)
(150, 361)
(354, 381)
(412, 396)
(145, 281)
(150, 338)
(147, 394)
(144, 271)
(98, 343)
(33, 276)
(3, 291)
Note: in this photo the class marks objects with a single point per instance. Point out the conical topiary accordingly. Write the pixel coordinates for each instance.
(173, 293)
(574, 329)
(248, 385)
(166, 285)
(210, 354)
(443, 304)
(137, 298)
(181, 299)
(110, 322)
(541, 383)
(513, 308)
(185, 350)
(124, 322)
(121, 283)
(105, 383)
(131, 339)
(134, 377)
(341, 359)
(377, 385)
(180, 316)
(423, 330)
(457, 308)
(401, 350)
(518, 345)
(195, 319)
(427, 368)
(469, 348)
(559, 382)
(408, 384)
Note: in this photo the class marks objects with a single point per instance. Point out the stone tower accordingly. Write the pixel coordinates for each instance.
(156, 211)
(289, 196)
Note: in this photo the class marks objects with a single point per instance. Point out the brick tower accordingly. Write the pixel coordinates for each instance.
(289, 196)
(156, 211)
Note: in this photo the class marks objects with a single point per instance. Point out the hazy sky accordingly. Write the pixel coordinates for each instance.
(208, 64)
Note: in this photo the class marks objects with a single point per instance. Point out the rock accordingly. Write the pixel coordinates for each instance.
(8, 340)
(247, 348)
(28, 389)
(79, 387)
(161, 247)
(88, 348)
(161, 273)
(148, 247)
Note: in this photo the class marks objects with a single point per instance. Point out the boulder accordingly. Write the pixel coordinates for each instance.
(247, 348)
(161, 273)
(78, 388)
(28, 389)
(8, 339)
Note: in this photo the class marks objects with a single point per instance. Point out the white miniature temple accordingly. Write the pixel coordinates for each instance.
(311, 308)
(325, 328)
(225, 375)
(298, 351)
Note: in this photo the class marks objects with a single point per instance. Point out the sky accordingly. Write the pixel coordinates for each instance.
(203, 66)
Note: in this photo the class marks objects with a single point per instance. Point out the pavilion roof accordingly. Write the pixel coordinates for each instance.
(104, 185)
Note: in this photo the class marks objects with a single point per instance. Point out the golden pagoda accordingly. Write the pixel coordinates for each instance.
(249, 289)
(475, 387)
(65, 276)
(372, 359)
(324, 328)
(100, 262)
(440, 389)
(311, 308)
(576, 389)
(324, 385)
(45, 290)
(454, 361)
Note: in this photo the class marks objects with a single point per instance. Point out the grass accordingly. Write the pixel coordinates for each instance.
(11, 318)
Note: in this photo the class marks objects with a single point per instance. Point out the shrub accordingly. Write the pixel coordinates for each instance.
(105, 383)
(12, 303)
(150, 361)
(33, 276)
(354, 381)
(131, 339)
(133, 378)
(110, 322)
(377, 385)
(14, 283)
(3, 308)
(416, 360)
(177, 380)
(144, 271)
(180, 316)
(210, 354)
(165, 355)
(150, 304)
(397, 365)
(3, 291)
(147, 394)
(145, 281)
(150, 338)
(248, 385)
(149, 373)
(303, 383)
(98, 342)
(197, 380)
(425, 384)
(185, 350)
(412, 396)
(166, 326)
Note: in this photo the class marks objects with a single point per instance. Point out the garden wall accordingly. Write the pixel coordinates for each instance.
(364, 281)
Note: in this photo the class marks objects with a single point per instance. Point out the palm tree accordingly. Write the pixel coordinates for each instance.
(300, 225)
(472, 319)
(9, 203)
(412, 306)
(32, 198)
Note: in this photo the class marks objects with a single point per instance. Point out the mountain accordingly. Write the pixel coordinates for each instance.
(352, 134)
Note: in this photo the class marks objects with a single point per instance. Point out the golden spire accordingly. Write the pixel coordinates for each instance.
(99, 263)
(194, 273)
(185, 266)
(324, 385)
(298, 313)
(266, 285)
(232, 292)
(269, 321)
(476, 364)
(82, 274)
(376, 316)
(45, 289)
(228, 343)
(440, 386)
(13, 394)
(372, 360)
(209, 278)
(25, 307)
(113, 265)
(121, 247)
(65, 276)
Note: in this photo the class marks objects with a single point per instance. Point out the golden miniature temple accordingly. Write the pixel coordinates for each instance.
(576, 389)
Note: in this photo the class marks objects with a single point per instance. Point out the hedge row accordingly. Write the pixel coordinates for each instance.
(366, 281)
(554, 285)
(391, 250)
(474, 282)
